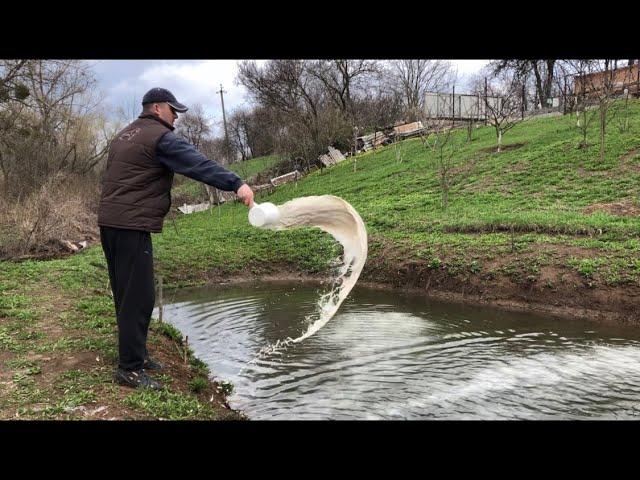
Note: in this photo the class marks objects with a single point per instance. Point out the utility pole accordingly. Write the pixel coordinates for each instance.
(224, 118)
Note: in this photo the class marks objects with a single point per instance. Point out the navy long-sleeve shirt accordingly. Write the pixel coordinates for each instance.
(182, 157)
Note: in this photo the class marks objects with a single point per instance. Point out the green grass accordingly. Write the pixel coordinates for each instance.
(249, 168)
(227, 387)
(168, 330)
(520, 198)
(29, 291)
(198, 384)
(190, 191)
(168, 405)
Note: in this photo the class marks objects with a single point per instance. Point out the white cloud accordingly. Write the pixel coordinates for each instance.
(195, 82)
(466, 70)
(466, 67)
(190, 81)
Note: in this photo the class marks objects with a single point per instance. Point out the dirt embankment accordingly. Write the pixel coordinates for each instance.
(555, 289)
(108, 399)
(57, 362)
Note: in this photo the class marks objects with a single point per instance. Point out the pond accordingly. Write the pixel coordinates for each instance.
(390, 355)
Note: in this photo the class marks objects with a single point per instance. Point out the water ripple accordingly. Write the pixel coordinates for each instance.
(386, 357)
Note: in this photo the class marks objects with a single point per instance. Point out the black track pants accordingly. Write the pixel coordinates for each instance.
(129, 256)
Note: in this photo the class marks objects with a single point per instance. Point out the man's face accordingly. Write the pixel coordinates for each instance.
(165, 112)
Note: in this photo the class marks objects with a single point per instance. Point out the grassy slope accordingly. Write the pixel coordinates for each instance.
(539, 190)
(254, 166)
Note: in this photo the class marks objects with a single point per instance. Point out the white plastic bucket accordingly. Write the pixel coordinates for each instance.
(264, 214)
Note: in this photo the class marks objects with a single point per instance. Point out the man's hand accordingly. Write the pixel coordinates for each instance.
(245, 194)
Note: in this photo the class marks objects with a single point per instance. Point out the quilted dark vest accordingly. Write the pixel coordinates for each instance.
(136, 189)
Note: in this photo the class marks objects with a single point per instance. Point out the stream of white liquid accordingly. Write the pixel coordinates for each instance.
(338, 218)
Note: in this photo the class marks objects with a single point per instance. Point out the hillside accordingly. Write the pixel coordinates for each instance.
(543, 217)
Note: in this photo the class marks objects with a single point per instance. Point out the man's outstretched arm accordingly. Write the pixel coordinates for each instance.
(182, 157)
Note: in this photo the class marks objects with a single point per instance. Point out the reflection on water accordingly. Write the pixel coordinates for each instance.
(386, 355)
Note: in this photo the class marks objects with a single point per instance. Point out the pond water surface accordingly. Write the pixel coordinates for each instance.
(388, 355)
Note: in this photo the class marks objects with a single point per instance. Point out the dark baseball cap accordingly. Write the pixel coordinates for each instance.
(160, 95)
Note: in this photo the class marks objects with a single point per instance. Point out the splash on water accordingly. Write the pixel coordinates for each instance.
(338, 218)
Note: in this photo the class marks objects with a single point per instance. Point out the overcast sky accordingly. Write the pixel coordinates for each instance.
(123, 82)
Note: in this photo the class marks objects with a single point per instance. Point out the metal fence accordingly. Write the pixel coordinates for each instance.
(465, 107)
(452, 106)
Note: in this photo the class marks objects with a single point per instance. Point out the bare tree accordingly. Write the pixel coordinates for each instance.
(543, 72)
(129, 109)
(53, 126)
(262, 126)
(437, 140)
(239, 133)
(341, 79)
(470, 127)
(623, 79)
(623, 118)
(445, 150)
(53, 142)
(596, 84)
(605, 98)
(214, 147)
(584, 114)
(411, 79)
(12, 86)
(194, 125)
(309, 121)
(304, 106)
(378, 109)
(502, 103)
(564, 85)
(57, 91)
(285, 84)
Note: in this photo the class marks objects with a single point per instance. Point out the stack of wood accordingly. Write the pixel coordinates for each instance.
(334, 156)
(74, 246)
(199, 207)
(369, 142)
(408, 130)
(265, 187)
(286, 178)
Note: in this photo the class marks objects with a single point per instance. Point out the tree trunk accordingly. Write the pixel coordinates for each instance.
(539, 89)
(603, 123)
(445, 196)
(549, 81)
(543, 88)
(444, 185)
(214, 195)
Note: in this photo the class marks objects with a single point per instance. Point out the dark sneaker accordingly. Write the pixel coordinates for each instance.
(136, 378)
(150, 364)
